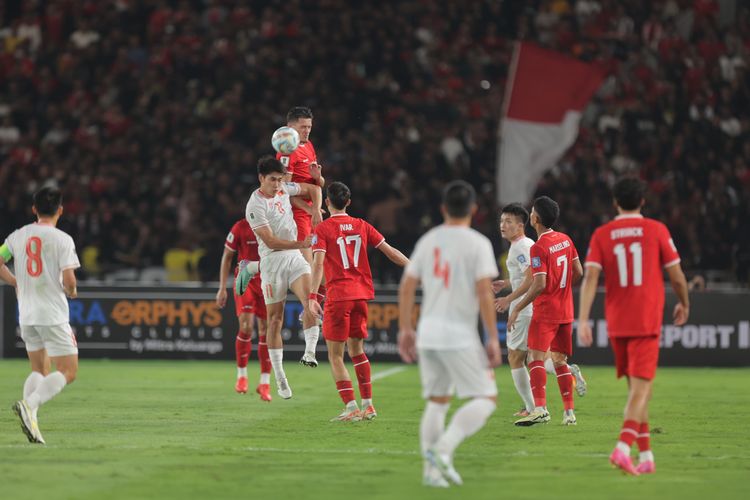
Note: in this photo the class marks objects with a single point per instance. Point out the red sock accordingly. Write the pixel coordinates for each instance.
(243, 346)
(565, 381)
(538, 376)
(644, 438)
(362, 368)
(629, 432)
(265, 361)
(346, 391)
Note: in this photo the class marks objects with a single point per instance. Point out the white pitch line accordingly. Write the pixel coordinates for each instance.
(348, 451)
(388, 372)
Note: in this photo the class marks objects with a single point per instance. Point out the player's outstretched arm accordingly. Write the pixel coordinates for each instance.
(586, 297)
(680, 287)
(70, 283)
(489, 319)
(393, 254)
(315, 194)
(226, 263)
(407, 345)
(275, 243)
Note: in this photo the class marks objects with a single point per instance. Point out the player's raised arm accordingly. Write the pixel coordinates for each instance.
(680, 287)
(316, 196)
(226, 264)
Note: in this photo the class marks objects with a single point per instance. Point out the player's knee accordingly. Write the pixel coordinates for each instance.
(559, 359)
(70, 374)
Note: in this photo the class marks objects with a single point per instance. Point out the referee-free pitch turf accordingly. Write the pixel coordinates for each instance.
(176, 429)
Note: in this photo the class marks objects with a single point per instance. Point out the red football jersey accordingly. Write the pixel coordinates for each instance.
(242, 240)
(553, 254)
(345, 239)
(298, 163)
(632, 251)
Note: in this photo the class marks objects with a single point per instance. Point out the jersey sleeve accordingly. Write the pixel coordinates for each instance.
(416, 261)
(232, 238)
(256, 215)
(538, 260)
(68, 256)
(292, 188)
(667, 250)
(594, 255)
(486, 266)
(285, 160)
(522, 257)
(374, 238)
(6, 249)
(321, 243)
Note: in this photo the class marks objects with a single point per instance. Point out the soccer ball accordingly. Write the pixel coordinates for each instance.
(285, 140)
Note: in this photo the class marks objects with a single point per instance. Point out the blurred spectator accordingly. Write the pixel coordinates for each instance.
(151, 115)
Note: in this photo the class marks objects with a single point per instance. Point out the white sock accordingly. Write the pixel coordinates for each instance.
(277, 357)
(623, 447)
(465, 422)
(241, 372)
(32, 382)
(265, 378)
(48, 388)
(646, 456)
(523, 386)
(311, 338)
(366, 403)
(549, 365)
(433, 424)
(352, 405)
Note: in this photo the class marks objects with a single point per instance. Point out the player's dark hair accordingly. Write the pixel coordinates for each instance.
(47, 200)
(547, 209)
(338, 194)
(629, 193)
(269, 165)
(298, 112)
(518, 210)
(458, 197)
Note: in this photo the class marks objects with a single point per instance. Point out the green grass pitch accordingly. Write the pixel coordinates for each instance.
(176, 429)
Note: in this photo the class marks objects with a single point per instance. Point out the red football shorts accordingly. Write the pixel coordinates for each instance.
(345, 319)
(636, 356)
(304, 223)
(252, 300)
(557, 337)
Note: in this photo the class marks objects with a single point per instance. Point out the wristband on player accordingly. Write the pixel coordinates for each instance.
(313, 296)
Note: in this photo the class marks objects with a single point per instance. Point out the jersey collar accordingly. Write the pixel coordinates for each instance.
(339, 215)
(629, 216)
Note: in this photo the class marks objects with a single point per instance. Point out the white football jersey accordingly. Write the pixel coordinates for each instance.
(41, 253)
(449, 260)
(274, 212)
(518, 261)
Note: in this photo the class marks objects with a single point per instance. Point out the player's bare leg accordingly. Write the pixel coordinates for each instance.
(275, 312)
(356, 348)
(264, 384)
(517, 362)
(243, 348)
(538, 377)
(466, 421)
(343, 383)
(636, 413)
(301, 288)
(565, 382)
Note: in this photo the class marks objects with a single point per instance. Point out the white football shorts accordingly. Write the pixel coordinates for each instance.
(517, 338)
(59, 340)
(465, 372)
(278, 271)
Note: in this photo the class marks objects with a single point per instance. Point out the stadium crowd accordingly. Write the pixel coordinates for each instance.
(151, 115)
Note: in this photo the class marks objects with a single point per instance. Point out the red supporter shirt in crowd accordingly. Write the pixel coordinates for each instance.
(553, 254)
(345, 239)
(631, 251)
(242, 240)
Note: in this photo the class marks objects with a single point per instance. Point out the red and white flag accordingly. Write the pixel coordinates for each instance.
(544, 99)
